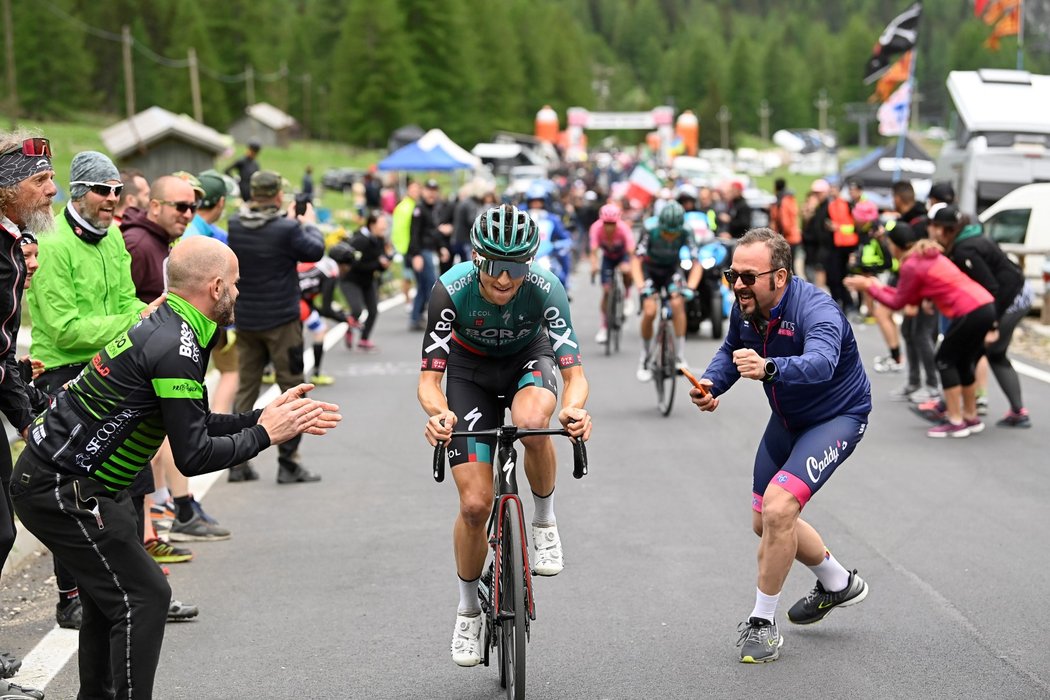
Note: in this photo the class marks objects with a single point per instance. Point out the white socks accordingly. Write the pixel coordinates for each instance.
(765, 605)
(681, 346)
(832, 575)
(544, 514)
(468, 597)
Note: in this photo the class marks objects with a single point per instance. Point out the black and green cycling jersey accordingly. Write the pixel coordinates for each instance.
(658, 250)
(146, 384)
(459, 314)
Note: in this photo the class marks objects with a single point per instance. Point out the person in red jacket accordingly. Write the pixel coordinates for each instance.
(925, 273)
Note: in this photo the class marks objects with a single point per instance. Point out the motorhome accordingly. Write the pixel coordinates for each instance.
(1000, 135)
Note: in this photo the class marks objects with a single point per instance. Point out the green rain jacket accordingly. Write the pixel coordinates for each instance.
(82, 296)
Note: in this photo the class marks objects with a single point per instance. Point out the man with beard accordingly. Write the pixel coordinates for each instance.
(26, 189)
(82, 298)
(792, 337)
(82, 453)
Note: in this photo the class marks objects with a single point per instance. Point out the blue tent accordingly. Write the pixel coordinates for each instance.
(434, 151)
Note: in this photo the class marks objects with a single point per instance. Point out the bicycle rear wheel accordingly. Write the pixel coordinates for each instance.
(615, 319)
(664, 374)
(513, 615)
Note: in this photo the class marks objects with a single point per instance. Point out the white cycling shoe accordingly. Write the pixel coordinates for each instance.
(643, 373)
(602, 337)
(466, 640)
(548, 559)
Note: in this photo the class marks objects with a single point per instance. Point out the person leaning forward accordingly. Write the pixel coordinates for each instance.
(69, 486)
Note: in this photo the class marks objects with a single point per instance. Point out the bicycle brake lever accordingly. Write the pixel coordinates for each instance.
(579, 458)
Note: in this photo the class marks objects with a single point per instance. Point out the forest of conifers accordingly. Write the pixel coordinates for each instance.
(353, 70)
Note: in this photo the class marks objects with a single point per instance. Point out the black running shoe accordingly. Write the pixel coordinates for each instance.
(70, 615)
(818, 603)
(760, 641)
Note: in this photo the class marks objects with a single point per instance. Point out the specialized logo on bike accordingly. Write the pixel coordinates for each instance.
(816, 468)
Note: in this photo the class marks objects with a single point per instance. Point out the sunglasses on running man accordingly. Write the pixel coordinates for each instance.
(748, 278)
(498, 267)
(32, 148)
(102, 189)
(182, 207)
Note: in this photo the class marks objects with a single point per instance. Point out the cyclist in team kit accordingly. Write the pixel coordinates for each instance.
(794, 339)
(611, 236)
(498, 327)
(657, 265)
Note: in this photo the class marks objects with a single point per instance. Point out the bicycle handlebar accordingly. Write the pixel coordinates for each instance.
(579, 449)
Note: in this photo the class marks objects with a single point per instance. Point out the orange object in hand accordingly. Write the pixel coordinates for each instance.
(694, 381)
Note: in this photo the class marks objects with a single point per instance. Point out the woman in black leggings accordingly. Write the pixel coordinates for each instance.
(982, 259)
(360, 284)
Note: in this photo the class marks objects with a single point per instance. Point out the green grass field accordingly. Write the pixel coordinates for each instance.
(68, 139)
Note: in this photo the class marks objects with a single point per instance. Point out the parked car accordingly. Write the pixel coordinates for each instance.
(341, 179)
(1020, 223)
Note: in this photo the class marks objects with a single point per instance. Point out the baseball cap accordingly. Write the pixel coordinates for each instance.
(214, 189)
(901, 234)
(946, 215)
(265, 184)
(942, 192)
(194, 181)
(432, 184)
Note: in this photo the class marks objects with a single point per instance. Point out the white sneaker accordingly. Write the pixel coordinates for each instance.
(923, 394)
(466, 640)
(602, 337)
(886, 364)
(644, 374)
(548, 558)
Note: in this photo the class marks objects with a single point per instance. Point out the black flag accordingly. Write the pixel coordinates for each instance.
(899, 36)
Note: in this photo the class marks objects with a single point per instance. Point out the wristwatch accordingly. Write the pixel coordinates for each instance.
(771, 371)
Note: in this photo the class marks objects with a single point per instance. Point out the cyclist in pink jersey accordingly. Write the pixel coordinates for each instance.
(611, 235)
(925, 273)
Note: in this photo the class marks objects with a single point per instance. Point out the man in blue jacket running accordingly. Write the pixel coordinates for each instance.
(792, 337)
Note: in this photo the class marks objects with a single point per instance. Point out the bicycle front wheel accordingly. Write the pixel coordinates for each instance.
(513, 615)
(664, 374)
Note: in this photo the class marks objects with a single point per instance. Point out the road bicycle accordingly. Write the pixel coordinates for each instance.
(614, 313)
(662, 359)
(506, 585)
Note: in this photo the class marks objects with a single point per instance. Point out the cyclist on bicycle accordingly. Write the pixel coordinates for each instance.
(552, 231)
(657, 265)
(499, 326)
(613, 238)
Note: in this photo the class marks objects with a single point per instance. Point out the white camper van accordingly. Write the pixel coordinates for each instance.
(1000, 135)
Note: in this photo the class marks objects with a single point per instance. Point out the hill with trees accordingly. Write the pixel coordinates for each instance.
(354, 70)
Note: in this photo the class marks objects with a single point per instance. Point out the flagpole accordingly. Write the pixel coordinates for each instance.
(907, 111)
(1020, 35)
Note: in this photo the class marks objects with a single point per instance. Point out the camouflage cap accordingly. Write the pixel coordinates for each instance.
(192, 179)
(265, 184)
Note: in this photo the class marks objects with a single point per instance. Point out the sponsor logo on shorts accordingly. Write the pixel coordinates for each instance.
(782, 479)
(815, 468)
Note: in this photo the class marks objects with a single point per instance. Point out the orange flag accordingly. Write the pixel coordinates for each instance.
(896, 75)
(1009, 25)
(998, 10)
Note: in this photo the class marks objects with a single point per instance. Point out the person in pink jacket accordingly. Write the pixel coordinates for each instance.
(926, 274)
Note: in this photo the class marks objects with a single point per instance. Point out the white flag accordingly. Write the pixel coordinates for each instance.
(893, 114)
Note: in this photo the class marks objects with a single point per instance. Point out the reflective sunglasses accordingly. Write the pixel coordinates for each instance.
(748, 278)
(102, 189)
(498, 267)
(32, 148)
(182, 207)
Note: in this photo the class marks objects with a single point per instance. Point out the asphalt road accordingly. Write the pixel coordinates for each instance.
(346, 588)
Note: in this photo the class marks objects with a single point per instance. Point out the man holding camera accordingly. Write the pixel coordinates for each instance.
(270, 239)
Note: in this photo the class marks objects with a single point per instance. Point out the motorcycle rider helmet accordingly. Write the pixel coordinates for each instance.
(505, 233)
(672, 217)
(609, 214)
